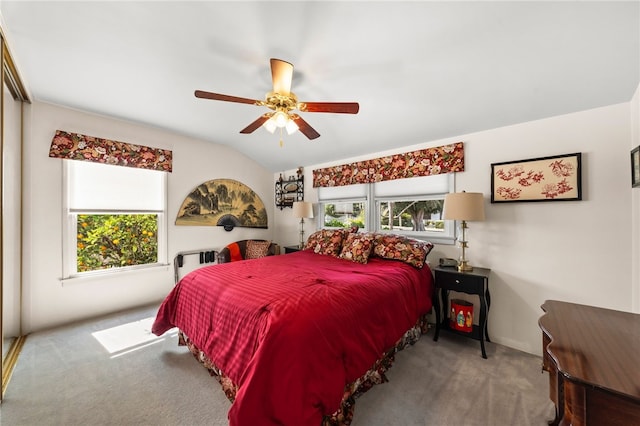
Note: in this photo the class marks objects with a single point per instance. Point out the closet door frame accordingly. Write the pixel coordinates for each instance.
(10, 79)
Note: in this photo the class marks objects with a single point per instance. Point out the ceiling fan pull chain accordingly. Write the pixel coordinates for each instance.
(281, 137)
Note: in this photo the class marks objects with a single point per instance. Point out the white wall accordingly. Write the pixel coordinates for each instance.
(635, 209)
(577, 251)
(287, 228)
(47, 300)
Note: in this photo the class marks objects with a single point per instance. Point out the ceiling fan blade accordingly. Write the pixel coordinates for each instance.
(256, 124)
(304, 127)
(281, 74)
(226, 98)
(337, 107)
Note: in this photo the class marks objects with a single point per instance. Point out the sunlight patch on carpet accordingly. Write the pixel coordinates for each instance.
(129, 337)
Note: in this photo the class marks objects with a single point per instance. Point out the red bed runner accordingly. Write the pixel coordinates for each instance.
(291, 331)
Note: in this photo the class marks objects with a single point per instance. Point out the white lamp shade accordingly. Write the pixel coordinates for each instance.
(303, 209)
(280, 118)
(291, 127)
(468, 206)
(270, 125)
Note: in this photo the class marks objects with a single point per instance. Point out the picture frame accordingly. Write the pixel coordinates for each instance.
(635, 167)
(554, 178)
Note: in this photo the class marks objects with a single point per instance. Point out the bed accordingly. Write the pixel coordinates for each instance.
(293, 339)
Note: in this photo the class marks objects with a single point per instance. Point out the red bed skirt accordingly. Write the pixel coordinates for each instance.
(344, 415)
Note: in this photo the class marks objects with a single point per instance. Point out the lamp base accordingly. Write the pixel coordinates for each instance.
(463, 263)
(301, 243)
(463, 266)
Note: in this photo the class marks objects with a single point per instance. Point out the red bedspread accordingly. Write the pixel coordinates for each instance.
(291, 331)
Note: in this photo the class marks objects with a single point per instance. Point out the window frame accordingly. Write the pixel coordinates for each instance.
(372, 211)
(70, 231)
(446, 236)
(322, 204)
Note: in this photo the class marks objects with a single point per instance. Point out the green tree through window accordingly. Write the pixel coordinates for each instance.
(418, 215)
(116, 240)
(344, 215)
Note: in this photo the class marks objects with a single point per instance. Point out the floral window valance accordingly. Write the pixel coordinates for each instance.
(74, 146)
(425, 162)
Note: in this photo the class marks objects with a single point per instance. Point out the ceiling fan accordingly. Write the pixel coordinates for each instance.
(282, 102)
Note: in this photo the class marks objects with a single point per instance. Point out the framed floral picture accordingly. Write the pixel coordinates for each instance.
(556, 178)
(635, 167)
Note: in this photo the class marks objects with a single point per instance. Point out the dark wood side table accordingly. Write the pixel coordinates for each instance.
(472, 282)
(291, 249)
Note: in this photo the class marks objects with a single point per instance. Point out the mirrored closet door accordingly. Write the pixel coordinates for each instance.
(11, 134)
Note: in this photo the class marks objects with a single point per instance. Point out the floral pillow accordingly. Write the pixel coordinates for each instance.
(397, 247)
(257, 249)
(326, 241)
(357, 247)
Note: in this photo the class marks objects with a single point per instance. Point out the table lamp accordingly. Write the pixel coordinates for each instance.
(302, 210)
(464, 206)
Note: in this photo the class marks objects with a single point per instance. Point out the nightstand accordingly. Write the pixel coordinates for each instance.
(291, 249)
(472, 282)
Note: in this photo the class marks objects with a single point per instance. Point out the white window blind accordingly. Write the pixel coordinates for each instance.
(423, 185)
(94, 186)
(347, 192)
(96, 194)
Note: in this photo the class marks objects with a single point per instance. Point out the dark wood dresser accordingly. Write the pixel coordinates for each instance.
(593, 359)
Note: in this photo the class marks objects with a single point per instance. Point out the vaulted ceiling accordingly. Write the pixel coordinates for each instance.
(420, 70)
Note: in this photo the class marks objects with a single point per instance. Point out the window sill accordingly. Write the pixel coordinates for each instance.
(435, 239)
(441, 241)
(113, 273)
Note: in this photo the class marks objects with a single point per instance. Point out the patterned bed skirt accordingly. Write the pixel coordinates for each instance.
(344, 415)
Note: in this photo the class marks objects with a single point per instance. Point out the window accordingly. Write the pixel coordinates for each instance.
(414, 207)
(344, 214)
(115, 218)
(344, 206)
(404, 206)
(417, 215)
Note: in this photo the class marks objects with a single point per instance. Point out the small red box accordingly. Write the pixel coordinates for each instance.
(461, 316)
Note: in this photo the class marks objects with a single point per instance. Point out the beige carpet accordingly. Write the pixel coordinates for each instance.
(112, 371)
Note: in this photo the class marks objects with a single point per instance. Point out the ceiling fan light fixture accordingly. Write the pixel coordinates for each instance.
(270, 125)
(291, 127)
(280, 118)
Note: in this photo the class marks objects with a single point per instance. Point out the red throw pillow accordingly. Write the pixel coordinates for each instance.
(234, 252)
